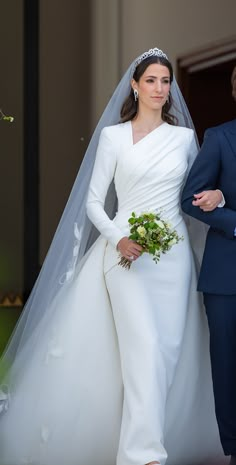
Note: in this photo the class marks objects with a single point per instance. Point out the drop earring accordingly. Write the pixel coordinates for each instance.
(135, 95)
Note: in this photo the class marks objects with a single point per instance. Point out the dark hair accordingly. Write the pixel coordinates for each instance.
(130, 106)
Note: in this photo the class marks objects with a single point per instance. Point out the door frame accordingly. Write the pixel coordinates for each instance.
(218, 52)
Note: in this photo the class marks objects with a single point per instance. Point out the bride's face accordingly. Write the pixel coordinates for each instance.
(153, 87)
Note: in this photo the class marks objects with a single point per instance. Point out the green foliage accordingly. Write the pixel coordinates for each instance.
(153, 233)
(4, 117)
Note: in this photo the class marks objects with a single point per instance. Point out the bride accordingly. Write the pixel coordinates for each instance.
(109, 365)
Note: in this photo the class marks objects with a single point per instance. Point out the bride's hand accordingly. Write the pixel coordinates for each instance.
(208, 200)
(129, 249)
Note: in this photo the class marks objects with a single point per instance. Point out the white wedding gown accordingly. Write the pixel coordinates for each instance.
(145, 327)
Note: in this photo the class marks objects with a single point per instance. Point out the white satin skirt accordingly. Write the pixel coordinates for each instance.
(143, 329)
(150, 305)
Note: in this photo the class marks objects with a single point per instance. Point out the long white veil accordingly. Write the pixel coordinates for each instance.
(61, 370)
(75, 233)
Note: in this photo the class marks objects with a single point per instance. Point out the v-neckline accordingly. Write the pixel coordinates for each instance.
(144, 137)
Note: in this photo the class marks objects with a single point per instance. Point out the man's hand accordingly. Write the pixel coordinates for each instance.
(208, 200)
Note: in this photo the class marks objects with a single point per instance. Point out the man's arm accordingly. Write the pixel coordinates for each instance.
(204, 176)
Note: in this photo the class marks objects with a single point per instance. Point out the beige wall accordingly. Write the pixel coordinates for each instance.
(11, 147)
(65, 97)
(176, 26)
(106, 52)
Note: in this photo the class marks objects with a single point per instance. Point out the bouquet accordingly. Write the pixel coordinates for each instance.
(153, 233)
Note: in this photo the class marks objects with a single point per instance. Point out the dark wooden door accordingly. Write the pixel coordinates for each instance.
(207, 89)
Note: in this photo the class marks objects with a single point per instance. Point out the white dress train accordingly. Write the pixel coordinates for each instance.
(143, 328)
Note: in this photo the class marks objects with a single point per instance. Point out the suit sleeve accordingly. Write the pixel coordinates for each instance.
(103, 173)
(204, 175)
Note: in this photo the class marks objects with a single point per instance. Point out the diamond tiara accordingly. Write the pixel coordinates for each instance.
(152, 52)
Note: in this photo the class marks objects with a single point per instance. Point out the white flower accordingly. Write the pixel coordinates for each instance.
(160, 224)
(141, 231)
(172, 242)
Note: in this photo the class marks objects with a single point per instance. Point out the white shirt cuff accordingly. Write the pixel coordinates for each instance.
(222, 202)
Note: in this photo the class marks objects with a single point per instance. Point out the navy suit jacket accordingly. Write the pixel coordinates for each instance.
(215, 168)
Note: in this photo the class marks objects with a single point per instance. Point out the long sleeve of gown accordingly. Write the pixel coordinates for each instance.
(103, 173)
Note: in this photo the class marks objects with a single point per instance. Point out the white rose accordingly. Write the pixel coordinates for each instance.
(160, 224)
(172, 242)
(141, 231)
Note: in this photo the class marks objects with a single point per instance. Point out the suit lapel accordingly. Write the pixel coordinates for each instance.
(230, 134)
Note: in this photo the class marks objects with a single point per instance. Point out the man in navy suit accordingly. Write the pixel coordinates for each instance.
(215, 168)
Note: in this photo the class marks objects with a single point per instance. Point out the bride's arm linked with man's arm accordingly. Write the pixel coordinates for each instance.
(203, 179)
